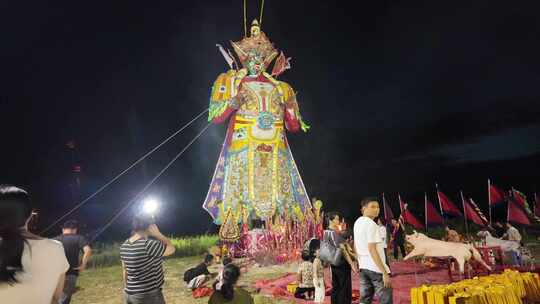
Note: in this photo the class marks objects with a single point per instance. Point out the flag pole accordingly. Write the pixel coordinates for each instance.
(510, 201)
(489, 201)
(401, 210)
(440, 205)
(425, 211)
(384, 208)
(464, 214)
(535, 203)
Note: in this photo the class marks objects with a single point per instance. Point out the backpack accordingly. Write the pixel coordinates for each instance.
(329, 252)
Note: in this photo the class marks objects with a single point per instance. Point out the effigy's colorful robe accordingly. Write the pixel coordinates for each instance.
(256, 175)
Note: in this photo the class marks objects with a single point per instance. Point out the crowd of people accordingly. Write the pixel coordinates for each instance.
(363, 254)
(36, 270)
(39, 270)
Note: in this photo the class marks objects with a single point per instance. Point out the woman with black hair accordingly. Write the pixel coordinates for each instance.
(32, 269)
(341, 274)
(229, 293)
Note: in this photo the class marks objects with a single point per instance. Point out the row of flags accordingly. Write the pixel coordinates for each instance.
(518, 210)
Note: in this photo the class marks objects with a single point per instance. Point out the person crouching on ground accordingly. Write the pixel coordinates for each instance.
(229, 293)
(198, 276)
(374, 273)
(142, 262)
(512, 234)
(305, 289)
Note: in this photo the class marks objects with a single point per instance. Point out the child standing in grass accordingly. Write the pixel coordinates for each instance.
(318, 272)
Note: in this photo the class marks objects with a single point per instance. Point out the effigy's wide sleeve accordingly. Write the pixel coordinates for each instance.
(223, 91)
(293, 119)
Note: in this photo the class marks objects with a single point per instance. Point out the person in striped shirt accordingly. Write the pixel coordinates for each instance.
(142, 262)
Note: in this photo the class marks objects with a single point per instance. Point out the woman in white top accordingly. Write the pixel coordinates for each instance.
(32, 269)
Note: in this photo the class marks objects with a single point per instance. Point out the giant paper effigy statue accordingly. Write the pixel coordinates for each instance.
(256, 176)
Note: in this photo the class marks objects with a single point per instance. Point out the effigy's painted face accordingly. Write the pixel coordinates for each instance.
(255, 65)
(255, 31)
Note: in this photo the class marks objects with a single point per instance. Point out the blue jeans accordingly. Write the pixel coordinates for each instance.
(69, 288)
(152, 297)
(371, 283)
(515, 258)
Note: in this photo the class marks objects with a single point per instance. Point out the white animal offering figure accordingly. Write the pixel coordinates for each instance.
(506, 246)
(423, 245)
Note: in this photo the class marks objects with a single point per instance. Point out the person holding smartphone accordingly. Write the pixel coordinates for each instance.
(142, 262)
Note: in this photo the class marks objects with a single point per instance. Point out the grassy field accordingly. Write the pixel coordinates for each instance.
(104, 285)
(104, 255)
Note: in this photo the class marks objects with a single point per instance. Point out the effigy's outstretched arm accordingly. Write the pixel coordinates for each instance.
(223, 98)
(293, 119)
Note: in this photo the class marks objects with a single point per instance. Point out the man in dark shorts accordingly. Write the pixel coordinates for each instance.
(74, 244)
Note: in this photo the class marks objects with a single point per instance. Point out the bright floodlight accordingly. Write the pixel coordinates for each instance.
(150, 205)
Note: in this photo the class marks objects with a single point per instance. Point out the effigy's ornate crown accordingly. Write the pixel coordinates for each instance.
(259, 45)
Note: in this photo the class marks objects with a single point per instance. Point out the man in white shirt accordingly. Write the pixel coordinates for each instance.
(374, 273)
(512, 234)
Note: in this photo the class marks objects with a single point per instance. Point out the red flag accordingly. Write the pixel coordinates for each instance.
(478, 211)
(408, 217)
(471, 214)
(516, 214)
(496, 196)
(519, 198)
(432, 215)
(388, 214)
(447, 205)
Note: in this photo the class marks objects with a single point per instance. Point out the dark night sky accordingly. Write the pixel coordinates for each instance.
(399, 94)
